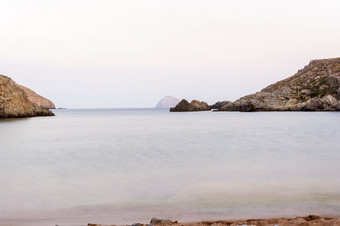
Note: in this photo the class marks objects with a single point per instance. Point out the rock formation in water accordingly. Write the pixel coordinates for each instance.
(195, 105)
(37, 99)
(14, 102)
(167, 102)
(316, 87)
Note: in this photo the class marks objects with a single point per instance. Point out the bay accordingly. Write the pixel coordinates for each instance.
(129, 165)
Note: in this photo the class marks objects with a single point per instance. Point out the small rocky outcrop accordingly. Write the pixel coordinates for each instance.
(316, 87)
(156, 221)
(167, 102)
(37, 99)
(14, 102)
(195, 105)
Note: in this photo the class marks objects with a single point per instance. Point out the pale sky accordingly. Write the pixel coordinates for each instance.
(132, 53)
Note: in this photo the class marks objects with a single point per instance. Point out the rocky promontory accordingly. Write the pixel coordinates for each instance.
(316, 87)
(195, 105)
(14, 102)
(37, 99)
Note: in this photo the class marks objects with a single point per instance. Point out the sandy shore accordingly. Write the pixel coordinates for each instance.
(107, 215)
(303, 221)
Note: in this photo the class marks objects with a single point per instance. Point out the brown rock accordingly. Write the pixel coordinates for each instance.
(14, 102)
(156, 221)
(219, 104)
(183, 105)
(195, 105)
(316, 87)
(330, 102)
(37, 99)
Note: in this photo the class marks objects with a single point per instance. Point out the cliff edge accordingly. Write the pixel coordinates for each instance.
(37, 99)
(14, 102)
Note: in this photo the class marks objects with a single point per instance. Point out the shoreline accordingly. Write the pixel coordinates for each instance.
(107, 215)
(283, 221)
(74, 220)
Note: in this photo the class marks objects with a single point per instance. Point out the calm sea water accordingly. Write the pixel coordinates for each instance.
(128, 165)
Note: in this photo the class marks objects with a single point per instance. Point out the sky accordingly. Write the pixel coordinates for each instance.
(132, 53)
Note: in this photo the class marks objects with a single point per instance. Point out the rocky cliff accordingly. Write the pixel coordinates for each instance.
(316, 87)
(167, 102)
(37, 99)
(14, 102)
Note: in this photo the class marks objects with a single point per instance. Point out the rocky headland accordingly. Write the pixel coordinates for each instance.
(167, 102)
(14, 101)
(316, 87)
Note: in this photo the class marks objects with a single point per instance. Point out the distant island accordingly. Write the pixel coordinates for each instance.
(167, 102)
(316, 87)
(17, 101)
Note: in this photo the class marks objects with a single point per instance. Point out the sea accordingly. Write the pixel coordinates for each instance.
(122, 166)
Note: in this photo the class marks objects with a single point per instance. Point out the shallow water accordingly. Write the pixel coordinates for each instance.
(128, 165)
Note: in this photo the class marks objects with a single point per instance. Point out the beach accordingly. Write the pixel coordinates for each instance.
(306, 220)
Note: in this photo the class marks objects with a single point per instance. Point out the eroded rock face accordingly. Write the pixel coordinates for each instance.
(37, 99)
(167, 102)
(14, 102)
(314, 88)
(219, 104)
(195, 105)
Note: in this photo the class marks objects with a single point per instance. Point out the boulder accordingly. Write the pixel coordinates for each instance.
(156, 221)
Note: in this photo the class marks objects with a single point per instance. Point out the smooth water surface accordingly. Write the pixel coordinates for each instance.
(128, 165)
